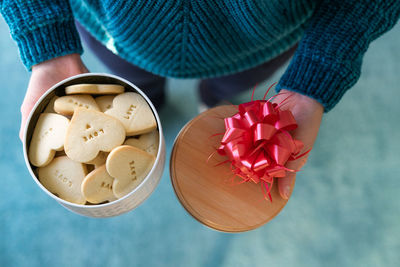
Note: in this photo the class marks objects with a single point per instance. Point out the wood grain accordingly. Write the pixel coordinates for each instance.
(206, 190)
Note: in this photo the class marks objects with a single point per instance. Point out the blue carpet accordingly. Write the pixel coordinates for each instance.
(345, 210)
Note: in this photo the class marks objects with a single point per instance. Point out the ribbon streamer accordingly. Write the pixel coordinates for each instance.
(258, 143)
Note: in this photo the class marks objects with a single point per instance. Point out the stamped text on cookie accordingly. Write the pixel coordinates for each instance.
(62, 178)
(133, 170)
(93, 134)
(130, 112)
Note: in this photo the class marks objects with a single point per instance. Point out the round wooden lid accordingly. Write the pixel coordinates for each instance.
(205, 190)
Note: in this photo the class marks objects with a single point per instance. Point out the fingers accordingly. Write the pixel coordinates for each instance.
(26, 107)
(25, 110)
(46, 74)
(21, 130)
(285, 185)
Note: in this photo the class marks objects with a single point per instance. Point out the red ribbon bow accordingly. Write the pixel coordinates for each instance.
(258, 143)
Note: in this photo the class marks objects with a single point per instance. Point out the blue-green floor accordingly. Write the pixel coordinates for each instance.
(345, 210)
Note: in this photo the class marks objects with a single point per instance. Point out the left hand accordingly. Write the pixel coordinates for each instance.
(44, 75)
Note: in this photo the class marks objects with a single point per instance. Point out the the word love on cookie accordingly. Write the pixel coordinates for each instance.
(134, 113)
(91, 132)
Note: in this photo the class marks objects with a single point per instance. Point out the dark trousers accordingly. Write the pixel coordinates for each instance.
(212, 91)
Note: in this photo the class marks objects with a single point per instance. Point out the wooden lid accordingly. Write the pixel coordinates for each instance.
(205, 190)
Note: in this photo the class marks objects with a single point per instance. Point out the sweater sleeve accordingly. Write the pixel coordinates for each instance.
(329, 56)
(42, 29)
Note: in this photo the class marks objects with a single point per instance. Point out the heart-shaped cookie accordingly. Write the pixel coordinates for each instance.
(104, 102)
(48, 137)
(66, 105)
(50, 106)
(147, 142)
(134, 113)
(99, 160)
(95, 89)
(129, 166)
(64, 178)
(91, 132)
(97, 186)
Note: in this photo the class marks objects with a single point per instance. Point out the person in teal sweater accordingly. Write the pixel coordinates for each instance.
(228, 44)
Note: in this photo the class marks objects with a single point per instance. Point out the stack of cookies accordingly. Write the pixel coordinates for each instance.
(95, 144)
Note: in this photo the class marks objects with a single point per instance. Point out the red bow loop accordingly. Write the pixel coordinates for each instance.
(286, 121)
(258, 144)
(263, 131)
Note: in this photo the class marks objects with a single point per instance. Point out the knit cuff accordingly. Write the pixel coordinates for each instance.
(323, 81)
(48, 41)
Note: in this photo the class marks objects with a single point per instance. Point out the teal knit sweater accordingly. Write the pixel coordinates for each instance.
(209, 38)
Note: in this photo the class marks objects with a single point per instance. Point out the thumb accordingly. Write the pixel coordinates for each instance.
(286, 184)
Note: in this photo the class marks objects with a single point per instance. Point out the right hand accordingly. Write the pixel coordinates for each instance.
(46, 74)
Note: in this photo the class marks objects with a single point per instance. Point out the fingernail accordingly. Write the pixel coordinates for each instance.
(286, 192)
